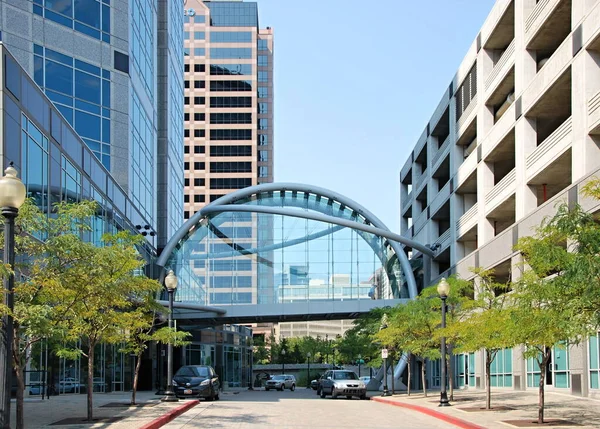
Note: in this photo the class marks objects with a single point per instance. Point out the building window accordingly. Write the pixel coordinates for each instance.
(199, 84)
(199, 182)
(263, 60)
(263, 140)
(199, 133)
(186, 133)
(199, 68)
(230, 53)
(231, 167)
(186, 182)
(186, 214)
(231, 134)
(186, 149)
(466, 92)
(230, 69)
(231, 36)
(263, 156)
(186, 198)
(594, 345)
(263, 108)
(88, 17)
(231, 150)
(231, 102)
(186, 117)
(199, 100)
(216, 197)
(186, 100)
(186, 83)
(231, 118)
(200, 117)
(230, 183)
(199, 149)
(186, 165)
(199, 198)
(501, 369)
(199, 35)
(263, 92)
(263, 124)
(263, 171)
(199, 19)
(263, 44)
(199, 166)
(231, 85)
(186, 67)
(199, 52)
(263, 76)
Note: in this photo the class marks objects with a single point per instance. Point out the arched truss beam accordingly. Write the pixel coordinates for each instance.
(372, 224)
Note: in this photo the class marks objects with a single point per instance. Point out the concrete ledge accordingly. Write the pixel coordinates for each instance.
(441, 416)
(167, 417)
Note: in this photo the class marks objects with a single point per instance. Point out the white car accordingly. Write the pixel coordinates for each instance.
(281, 382)
(342, 383)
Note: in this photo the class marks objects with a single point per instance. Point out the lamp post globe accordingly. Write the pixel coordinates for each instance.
(171, 285)
(443, 289)
(12, 197)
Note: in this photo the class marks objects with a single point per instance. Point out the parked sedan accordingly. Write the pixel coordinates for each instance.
(344, 383)
(199, 381)
(281, 382)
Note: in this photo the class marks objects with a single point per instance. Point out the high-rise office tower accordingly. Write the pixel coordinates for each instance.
(228, 112)
(120, 86)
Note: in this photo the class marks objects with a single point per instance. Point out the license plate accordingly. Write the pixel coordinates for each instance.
(187, 392)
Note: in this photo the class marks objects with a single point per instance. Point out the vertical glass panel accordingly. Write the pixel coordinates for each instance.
(88, 12)
(59, 77)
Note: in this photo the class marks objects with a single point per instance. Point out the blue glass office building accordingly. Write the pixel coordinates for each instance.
(105, 120)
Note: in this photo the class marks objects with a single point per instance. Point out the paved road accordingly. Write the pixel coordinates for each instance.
(300, 409)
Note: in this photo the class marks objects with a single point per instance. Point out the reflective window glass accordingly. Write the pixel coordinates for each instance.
(263, 60)
(221, 53)
(59, 77)
(263, 44)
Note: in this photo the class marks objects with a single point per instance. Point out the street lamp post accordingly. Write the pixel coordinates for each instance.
(384, 356)
(443, 289)
(12, 196)
(171, 285)
(359, 362)
(308, 371)
(283, 361)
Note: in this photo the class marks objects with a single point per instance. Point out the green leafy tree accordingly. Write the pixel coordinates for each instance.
(260, 353)
(140, 328)
(485, 322)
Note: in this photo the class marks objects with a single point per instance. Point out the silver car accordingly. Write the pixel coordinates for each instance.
(342, 383)
(281, 382)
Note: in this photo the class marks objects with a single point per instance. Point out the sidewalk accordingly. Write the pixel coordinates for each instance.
(46, 413)
(520, 406)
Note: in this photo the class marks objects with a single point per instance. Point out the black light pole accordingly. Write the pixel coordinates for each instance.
(282, 361)
(308, 371)
(359, 362)
(384, 355)
(12, 196)
(171, 285)
(443, 289)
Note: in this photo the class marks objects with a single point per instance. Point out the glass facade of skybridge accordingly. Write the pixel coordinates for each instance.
(243, 257)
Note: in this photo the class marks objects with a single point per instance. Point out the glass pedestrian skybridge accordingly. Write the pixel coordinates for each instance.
(284, 251)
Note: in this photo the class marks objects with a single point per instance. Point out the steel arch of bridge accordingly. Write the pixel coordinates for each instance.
(370, 224)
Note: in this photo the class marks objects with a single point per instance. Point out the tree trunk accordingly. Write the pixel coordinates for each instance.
(90, 383)
(488, 380)
(450, 372)
(409, 359)
(423, 377)
(543, 365)
(135, 377)
(20, 423)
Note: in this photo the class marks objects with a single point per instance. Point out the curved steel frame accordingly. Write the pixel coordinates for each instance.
(376, 227)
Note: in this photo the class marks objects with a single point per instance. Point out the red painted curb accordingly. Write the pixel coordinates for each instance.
(167, 417)
(441, 416)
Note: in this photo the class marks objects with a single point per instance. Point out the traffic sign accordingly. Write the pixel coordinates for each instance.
(384, 353)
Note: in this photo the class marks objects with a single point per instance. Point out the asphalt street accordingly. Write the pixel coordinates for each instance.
(299, 409)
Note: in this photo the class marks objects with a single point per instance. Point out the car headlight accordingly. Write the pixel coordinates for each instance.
(362, 385)
(339, 385)
(174, 383)
(205, 383)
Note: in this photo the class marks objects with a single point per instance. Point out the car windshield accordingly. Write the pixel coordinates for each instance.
(279, 377)
(344, 375)
(193, 371)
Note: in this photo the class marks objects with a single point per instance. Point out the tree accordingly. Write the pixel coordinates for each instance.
(558, 295)
(484, 322)
(35, 317)
(139, 329)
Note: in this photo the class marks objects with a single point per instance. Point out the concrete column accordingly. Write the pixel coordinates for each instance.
(485, 182)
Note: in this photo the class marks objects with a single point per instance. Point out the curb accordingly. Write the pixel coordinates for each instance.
(167, 417)
(441, 416)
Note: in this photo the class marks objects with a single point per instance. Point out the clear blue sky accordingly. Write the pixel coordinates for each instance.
(356, 83)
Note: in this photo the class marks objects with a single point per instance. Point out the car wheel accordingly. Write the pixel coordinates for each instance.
(334, 394)
(267, 389)
(363, 396)
(282, 387)
(293, 387)
(318, 391)
(323, 393)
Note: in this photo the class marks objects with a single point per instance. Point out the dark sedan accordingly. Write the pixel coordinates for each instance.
(199, 381)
